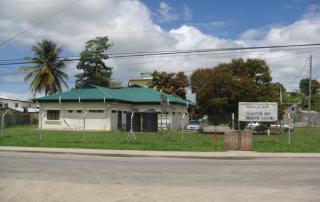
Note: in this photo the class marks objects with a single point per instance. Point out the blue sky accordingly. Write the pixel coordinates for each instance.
(161, 25)
(237, 16)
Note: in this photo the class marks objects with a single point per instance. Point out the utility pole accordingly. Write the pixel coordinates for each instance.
(310, 82)
(280, 93)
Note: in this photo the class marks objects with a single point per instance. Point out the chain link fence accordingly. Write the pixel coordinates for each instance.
(14, 118)
(300, 119)
(215, 124)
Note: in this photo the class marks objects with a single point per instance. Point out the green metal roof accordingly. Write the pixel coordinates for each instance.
(134, 95)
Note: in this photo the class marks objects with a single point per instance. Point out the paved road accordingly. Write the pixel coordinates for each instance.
(47, 177)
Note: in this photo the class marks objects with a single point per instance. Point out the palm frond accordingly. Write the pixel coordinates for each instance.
(30, 68)
(46, 73)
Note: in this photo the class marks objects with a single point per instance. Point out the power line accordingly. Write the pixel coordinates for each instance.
(31, 2)
(206, 54)
(176, 52)
(139, 54)
(128, 77)
(198, 54)
(299, 73)
(190, 59)
(93, 34)
(38, 23)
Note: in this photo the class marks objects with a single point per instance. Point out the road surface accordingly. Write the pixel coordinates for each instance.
(49, 177)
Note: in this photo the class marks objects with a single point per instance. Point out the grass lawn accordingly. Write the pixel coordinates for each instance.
(28, 136)
(301, 141)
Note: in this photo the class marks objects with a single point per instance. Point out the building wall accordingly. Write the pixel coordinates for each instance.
(72, 115)
(140, 82)
(13, 104)
(102, 116)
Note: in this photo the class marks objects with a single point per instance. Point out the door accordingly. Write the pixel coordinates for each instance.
(119, 120)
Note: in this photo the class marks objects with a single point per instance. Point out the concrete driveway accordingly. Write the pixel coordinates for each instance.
(48, 177)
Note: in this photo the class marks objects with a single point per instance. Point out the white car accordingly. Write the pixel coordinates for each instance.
(252, 126)
(284, 126)
(194, 125)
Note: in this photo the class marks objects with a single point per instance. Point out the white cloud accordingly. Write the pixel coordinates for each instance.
(187, 13)
(303, 31)
(18, 95)
(167, 12)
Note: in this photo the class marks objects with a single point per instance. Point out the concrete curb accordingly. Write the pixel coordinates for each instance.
(159, 154)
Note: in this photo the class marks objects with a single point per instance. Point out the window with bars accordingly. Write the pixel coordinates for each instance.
(53, 115)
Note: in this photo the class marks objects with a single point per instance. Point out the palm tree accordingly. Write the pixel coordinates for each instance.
(46, 73)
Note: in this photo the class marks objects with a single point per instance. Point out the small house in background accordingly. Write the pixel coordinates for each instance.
(110, 109)
(139, 82)
(145, 80)
(18, 105)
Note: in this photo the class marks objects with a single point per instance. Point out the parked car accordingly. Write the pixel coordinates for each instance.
(252, 126)
(285, 127)
(194, 125)
(258, 127)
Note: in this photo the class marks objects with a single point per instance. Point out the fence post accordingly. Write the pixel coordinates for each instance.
(182, 125)
(41, 116)
(232, 121)
(2, 122)
(84, 125)
(215, 138)
(289, 131)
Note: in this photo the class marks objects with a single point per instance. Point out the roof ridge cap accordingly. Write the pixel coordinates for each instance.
(102, 92)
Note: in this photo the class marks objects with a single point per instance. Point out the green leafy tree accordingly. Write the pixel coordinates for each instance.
(95, 71)
(47, 72)
(304, 86)
(219, 89)
(172, 83)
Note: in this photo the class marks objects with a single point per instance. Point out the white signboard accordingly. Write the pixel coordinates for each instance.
(258, 111)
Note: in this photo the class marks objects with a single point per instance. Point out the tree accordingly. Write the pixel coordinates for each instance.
(172, 83)
(219, 89)
(279, 86)
(46, 74)
(304, 86)
(95, 71)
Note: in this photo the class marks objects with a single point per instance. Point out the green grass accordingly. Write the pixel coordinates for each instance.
(28, 136)
(294, 98)
(301, 141)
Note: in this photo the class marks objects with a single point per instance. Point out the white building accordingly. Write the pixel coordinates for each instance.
(18, 105)
(98, 108)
